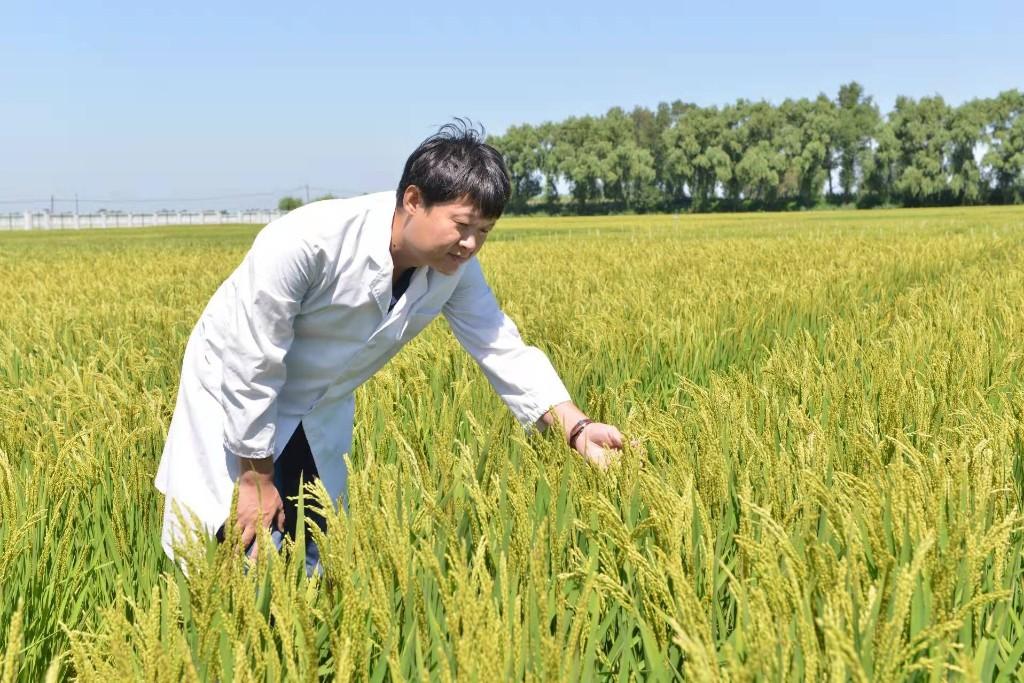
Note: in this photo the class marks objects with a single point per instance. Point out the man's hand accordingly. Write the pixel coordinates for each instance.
(259, 501)
(594, 443)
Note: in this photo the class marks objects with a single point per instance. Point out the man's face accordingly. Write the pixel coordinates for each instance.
(445, 236)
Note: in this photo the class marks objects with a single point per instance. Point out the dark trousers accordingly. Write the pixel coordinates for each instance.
(293, 467)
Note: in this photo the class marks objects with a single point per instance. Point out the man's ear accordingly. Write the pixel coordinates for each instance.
(412, 200)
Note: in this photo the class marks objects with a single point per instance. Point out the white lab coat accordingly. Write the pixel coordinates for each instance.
(296, 328)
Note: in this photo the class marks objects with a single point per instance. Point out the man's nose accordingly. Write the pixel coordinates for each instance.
(468, 243)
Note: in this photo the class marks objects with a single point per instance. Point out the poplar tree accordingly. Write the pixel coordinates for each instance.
(922, 134)
(966, 136)
(856, 119)
(1005, 155)
(520, 147)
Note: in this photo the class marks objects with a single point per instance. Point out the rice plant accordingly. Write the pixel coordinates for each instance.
(825, 478)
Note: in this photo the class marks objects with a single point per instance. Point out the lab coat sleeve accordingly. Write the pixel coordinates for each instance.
(522, 375)
(269, 287)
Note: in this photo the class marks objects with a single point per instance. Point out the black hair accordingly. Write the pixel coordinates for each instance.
(455, 162)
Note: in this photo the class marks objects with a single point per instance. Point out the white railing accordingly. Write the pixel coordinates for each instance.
(44, 220)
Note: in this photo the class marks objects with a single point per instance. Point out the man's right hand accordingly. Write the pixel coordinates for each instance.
(259, 501)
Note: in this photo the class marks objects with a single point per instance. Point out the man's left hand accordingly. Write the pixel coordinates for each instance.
(596, 442)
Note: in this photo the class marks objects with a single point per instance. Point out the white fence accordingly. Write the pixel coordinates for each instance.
(117, 219)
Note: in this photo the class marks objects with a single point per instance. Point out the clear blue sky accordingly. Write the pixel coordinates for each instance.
(119, 100)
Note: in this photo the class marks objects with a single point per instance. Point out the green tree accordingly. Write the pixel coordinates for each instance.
(694, 158)
(881, 168)
(822, 122)
(804, 139)
(629, 167)
(548, 163)
(583, 156)
(758, 173)
(790, 141)
(682, 142)
(649, 128)
(289, 203)
(733, 142)
(520, 147)
(921, 129)
(856, 119)
(759, 170)
(1005, 155)
(966, 136)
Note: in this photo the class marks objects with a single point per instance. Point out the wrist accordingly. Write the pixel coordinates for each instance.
(577, 431)
(256, 469)
(565, 415)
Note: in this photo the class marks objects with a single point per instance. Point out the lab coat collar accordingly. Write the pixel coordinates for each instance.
(379, 219)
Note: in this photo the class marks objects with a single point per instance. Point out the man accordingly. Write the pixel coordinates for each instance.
(325, 297)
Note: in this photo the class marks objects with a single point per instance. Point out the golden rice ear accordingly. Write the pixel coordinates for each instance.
(190, 543)
(828, 483)
(13, 640)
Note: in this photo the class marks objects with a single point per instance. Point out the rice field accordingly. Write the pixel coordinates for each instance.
(826, 479)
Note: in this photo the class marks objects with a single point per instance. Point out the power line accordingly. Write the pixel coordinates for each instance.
(209, 198)
(137, 200)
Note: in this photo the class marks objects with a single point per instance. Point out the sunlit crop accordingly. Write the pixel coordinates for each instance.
(826, 480)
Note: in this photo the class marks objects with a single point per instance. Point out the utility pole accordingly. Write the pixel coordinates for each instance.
(51, 203)
(76, 202)
(307, 193)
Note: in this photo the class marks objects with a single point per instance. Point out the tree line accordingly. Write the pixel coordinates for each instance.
(757, 155)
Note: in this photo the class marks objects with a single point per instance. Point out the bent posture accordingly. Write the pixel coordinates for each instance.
(325, 296)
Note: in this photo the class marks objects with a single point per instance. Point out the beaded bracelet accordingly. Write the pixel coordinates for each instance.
(577, 430)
